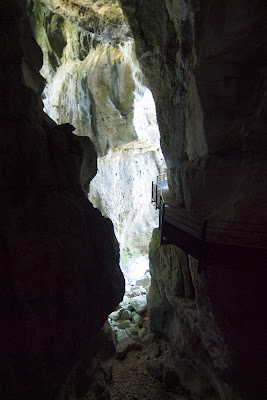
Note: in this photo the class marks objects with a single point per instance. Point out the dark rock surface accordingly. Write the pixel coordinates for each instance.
(231, 76)
(198, 349)
(91, 376)
(59, 258)
(204, 64)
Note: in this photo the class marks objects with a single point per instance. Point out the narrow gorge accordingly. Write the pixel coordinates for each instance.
(94, 82)
(98, 97)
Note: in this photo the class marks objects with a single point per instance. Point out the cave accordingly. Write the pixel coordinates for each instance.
(60, 261)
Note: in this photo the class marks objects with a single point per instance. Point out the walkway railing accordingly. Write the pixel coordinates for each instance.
(157, 188)
(162, 177)
(208, 240)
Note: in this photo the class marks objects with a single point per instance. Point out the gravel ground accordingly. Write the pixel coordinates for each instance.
(133, 379)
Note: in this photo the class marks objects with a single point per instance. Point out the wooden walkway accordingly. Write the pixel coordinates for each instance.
(209, 241)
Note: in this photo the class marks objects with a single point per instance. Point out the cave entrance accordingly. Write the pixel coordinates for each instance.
(94, 82)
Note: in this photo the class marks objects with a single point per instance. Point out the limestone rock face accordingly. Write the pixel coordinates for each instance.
(59, 257)
(164, 38)
(178, 306)
(90, 81)
(94, 82)
(209, 99)
(203, 63)
(122, 191)
(226, 186)
(102, 17)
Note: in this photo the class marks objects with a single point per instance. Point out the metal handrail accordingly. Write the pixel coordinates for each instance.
(162, 177)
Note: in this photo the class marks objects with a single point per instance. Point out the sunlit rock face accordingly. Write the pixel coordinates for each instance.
(122, 187)
(122, 191)
(203, 63)
(60, 275)
(78, 82)
(95, 83)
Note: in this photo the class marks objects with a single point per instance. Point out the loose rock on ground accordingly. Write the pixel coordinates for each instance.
(143, 368)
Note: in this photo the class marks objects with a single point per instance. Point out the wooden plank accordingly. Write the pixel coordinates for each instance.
(175, 216)
(180, 226)
(178, 219)
(185, 214)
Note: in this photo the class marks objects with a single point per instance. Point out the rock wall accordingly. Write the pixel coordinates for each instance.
(59, 257)
(191, 77)
(94, 82)
(122, 191)
(203, 63)
(179, 307)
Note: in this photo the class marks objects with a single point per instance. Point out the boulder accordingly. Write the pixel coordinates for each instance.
(144, 282)
(134, 329)
(125, 303)
(126, 315)
(137, 319)
(142, 333)
(123, 348)
(139, 304)
(124, 324)
(122, 336)
(115, 315)
(154, 350)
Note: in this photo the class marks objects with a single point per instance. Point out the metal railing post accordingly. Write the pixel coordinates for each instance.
(160, 216)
